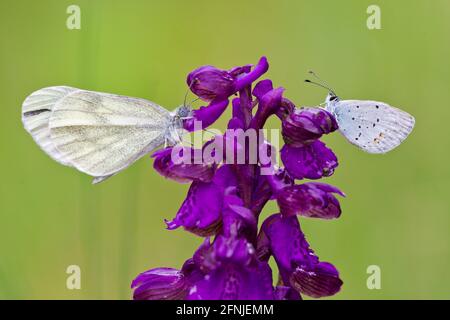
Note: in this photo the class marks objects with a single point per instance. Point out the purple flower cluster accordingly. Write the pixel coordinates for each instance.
(224, 200)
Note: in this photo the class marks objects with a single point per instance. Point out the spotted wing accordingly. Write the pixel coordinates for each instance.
(372, 126)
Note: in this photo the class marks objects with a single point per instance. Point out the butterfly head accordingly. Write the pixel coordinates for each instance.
(331, 98)
(330, 102)
(183, 112)
(176, 129)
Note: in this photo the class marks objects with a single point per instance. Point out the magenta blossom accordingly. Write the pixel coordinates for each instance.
(224, 201)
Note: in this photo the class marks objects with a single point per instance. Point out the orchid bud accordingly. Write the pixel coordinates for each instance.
(209, 83)
(303, 126)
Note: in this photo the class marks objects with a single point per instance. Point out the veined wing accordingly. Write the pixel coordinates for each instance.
(36, 111)
(102, 134)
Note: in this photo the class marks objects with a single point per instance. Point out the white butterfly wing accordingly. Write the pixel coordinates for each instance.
(101, 134)
(36, 111)
(373, 126)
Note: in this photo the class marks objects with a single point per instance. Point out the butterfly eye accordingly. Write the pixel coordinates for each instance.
(183, 111)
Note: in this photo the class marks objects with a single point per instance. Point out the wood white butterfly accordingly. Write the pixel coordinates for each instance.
(98, 133)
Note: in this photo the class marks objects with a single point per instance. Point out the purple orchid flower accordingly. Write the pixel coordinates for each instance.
(232, 272)
(303, 155)
(184, 171)
(225, 200)
(299, 267)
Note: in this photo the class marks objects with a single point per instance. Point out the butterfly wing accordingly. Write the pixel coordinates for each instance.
(36, 111)
(373, 126)
(101, 134)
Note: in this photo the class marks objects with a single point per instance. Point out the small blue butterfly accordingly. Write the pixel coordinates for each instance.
(372, 126)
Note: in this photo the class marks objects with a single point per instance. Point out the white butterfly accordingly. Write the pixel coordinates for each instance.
(98, 133)
(372, 126)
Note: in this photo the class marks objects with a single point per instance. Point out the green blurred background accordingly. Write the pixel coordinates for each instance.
(397, 211)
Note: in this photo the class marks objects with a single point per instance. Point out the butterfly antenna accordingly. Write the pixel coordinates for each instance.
(195, 100)
(187, 92)
(210, 132)
(185, 96)
(320, 82)
(319, 79)
(188, 141)
(322, 86)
